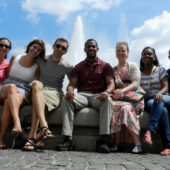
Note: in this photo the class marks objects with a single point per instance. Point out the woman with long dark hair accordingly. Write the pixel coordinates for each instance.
(15, 90)
(154, 81)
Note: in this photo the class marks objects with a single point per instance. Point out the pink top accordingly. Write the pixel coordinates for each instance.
(3, 68)
(92, 79)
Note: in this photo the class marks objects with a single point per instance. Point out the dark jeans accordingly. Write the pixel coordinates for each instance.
(159, 115)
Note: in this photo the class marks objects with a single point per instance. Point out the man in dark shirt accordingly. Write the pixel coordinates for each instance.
(93, 79)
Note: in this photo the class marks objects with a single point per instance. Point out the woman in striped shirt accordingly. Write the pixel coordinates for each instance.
(154, 81)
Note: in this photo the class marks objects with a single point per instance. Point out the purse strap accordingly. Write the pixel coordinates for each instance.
(149, 82)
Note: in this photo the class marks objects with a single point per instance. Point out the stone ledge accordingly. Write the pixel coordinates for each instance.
(85, 127)
(86, 117)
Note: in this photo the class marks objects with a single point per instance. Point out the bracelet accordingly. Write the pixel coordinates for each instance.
(107, 91)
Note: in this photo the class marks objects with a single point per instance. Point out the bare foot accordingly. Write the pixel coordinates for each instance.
(17, 129)
(46, 133)
(148, 139)
(2, 145)
(30, 145)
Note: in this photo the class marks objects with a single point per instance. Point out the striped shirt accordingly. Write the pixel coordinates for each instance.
(152, 83)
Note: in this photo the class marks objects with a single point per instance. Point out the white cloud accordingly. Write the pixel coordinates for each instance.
(62, 9)
(154, 32)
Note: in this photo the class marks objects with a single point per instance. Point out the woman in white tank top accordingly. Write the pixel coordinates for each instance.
(15, 89)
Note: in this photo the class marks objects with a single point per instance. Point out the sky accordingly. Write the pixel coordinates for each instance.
(139, 22)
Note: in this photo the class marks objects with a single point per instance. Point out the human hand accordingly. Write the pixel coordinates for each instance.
(69, 95)
(117, 94)
(102, 96)
(158, 97)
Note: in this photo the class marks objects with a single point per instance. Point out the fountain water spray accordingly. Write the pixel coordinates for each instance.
(76, 51)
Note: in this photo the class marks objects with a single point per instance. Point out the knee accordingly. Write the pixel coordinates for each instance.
(37, 86)
(107, 102)
(11, 89)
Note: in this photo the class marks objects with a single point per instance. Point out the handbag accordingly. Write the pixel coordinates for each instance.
(130, 96)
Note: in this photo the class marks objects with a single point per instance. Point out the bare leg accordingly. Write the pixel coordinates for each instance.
(39, 106)
(15, 99)
(30, 144)
(148, 137)
(5, 121)
(34, 124)
(138, 147)
(39, 102)
(136, 138)
(115, 146)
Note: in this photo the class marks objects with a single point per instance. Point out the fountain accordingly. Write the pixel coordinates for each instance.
(76, 51)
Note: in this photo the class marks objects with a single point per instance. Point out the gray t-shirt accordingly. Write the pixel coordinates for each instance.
(152, 83)
(52, 73)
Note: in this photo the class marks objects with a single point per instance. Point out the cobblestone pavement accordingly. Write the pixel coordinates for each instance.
(49, 159)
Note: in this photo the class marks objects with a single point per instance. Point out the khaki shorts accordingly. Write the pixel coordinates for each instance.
(52, 98)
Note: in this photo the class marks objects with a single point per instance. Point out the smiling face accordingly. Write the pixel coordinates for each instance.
(35, 50)
(122, 52)
(60, 48)
(5, 47)
(148, 56)
(91, 49)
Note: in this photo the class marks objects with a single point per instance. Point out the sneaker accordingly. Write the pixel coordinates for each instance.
(66, 145)
(102, 146)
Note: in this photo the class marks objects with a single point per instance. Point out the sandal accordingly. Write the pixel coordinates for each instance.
(115, 147)
(46, 134)
(165, 152)
(31, 142)
(137, 149)
(148, 139)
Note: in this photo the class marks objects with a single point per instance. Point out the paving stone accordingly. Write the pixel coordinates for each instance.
(49, 160)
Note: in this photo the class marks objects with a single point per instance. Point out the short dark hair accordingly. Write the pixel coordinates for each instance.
(61, 39)
(41, 43)
(155, 62)
(90, 40)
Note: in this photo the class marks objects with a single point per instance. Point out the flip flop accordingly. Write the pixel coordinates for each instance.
(165, 152)
(148, 139)
(137, 149)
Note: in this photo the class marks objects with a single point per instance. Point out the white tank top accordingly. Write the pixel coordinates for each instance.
(24, 73)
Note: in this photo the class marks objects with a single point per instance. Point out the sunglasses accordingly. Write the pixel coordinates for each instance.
(6, 46)
(60, 46)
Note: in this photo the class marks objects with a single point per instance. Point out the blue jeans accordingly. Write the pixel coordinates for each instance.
(159, 115)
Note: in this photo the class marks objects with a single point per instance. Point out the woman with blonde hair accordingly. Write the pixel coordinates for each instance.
(127, 103)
